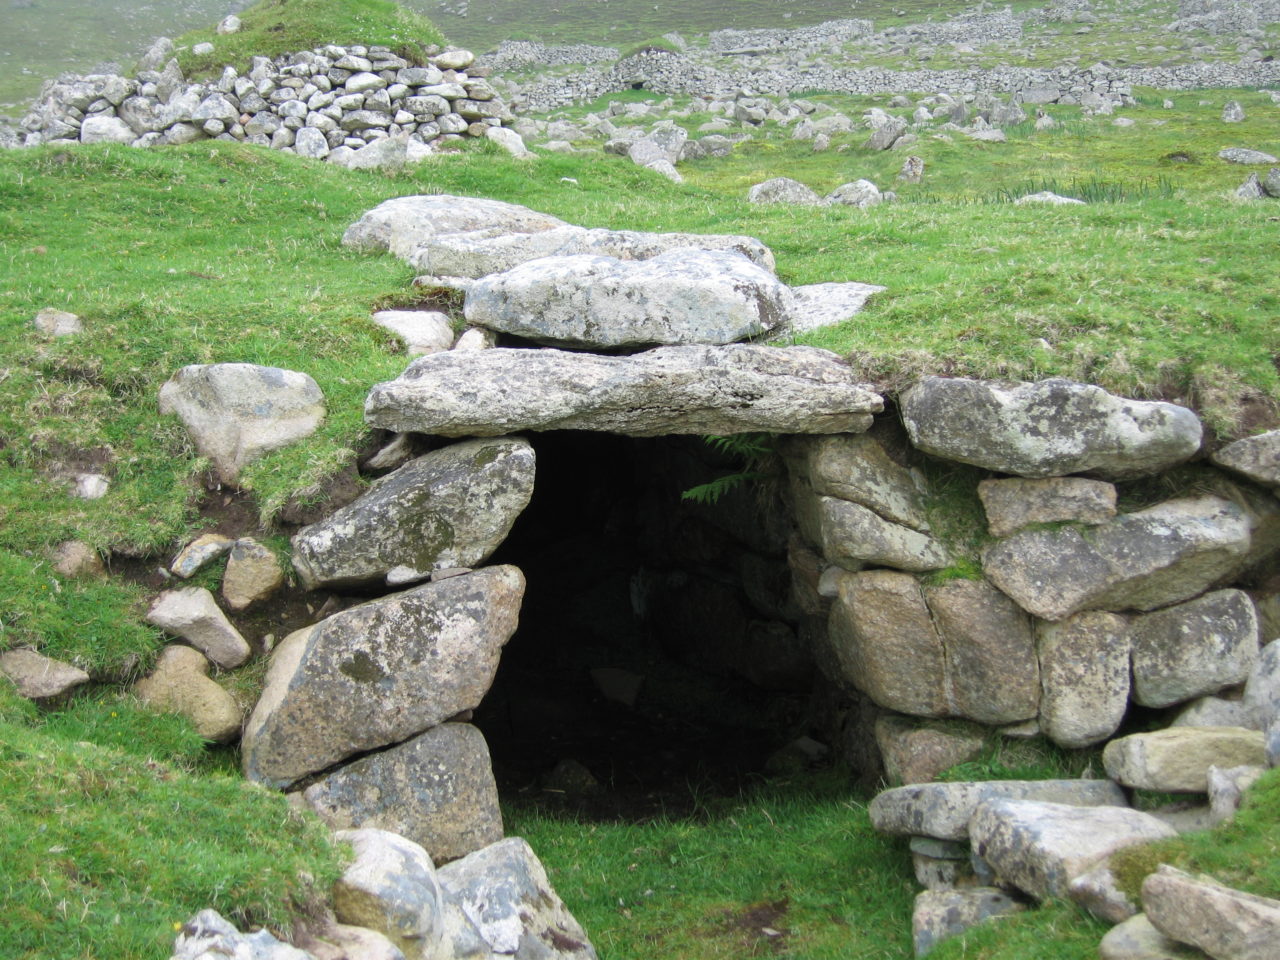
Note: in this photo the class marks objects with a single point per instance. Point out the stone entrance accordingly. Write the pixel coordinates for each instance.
(624, 692)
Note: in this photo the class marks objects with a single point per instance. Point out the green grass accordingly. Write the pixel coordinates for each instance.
(109, 843)
(272, 27)
(1243, 853)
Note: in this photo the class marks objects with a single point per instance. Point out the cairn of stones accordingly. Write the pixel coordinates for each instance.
(326, 103)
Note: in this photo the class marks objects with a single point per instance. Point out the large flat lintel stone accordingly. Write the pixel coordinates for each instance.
(688, 389)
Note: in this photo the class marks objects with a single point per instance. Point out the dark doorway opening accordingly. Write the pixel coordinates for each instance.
(653, 665)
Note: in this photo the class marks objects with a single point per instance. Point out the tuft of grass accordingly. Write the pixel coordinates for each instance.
(1242, 853)
(273, 27)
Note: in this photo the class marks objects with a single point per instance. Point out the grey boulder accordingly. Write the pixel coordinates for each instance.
(1194, 648)
(1137, 939)
(400, 225)
(941, 914)
(1226, 924)
(208, 935)
(1142, 560)
(194, 615)
(943, 810)
(1177, 760)
(391, 887)
(1040, 847)
(1047, 429)
(380, 672)
(685, 296)
(1257, 458)
(38, 677)
(436, 790)
(670, 390)
(238, 412)
(449, 508)
(817, 305)
(503, 889)
(783, 190)
(478, 253)
(1015, 502)
(1084, 677)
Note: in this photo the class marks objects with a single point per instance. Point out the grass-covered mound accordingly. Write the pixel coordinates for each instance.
(272, 27)
(1163, 287)
(113, 838)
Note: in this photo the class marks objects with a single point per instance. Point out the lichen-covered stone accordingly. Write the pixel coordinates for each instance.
(1139, 561)
(1193, 648)
(942, 810)
(380, 672)
(449, 508)
(992, 673)
(685, 296)
(1016, 502)
(1047, 429)
(237, 412)
(854, 537)
(855, 467)
(1040, 847)
(436, 789)
(941, 914)
(1257, 458)
(1177, 760)
(671, 390)
(1084, 677)
(1227, 924)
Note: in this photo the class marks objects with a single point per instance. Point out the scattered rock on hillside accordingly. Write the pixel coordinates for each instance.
(1271, 183)
(1046, 196)
(207, 934)
(505, 891)
(941, 914)
(508, 140)
(783, 190)
(912, 170)
(1040, 847)
(436, 789)
(253, 574)
(1177, 760)
(199, 553)
(1193, 648)
(75, 558)
(449, 508)
(1143, 560)
(58, 323)
(685, 296)
(192, 614)
(943, 810)
(827, 304)
(859, 193)
(180, 684)
(401, 224)
(1243, 155)
(1251, 189)
(380, 672)
(1232, 112)
(670, 390)
(1225, 923)
(423, 331)
(38, 677)
(1046, 429)
(237, 412)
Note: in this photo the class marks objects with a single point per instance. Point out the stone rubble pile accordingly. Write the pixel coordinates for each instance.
(332, 102)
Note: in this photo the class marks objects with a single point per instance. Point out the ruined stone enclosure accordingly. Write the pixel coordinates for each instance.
(895, 584)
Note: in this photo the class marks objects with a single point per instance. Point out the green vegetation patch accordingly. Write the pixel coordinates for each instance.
(1243, 853)
(273, 27)
(107, 849)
